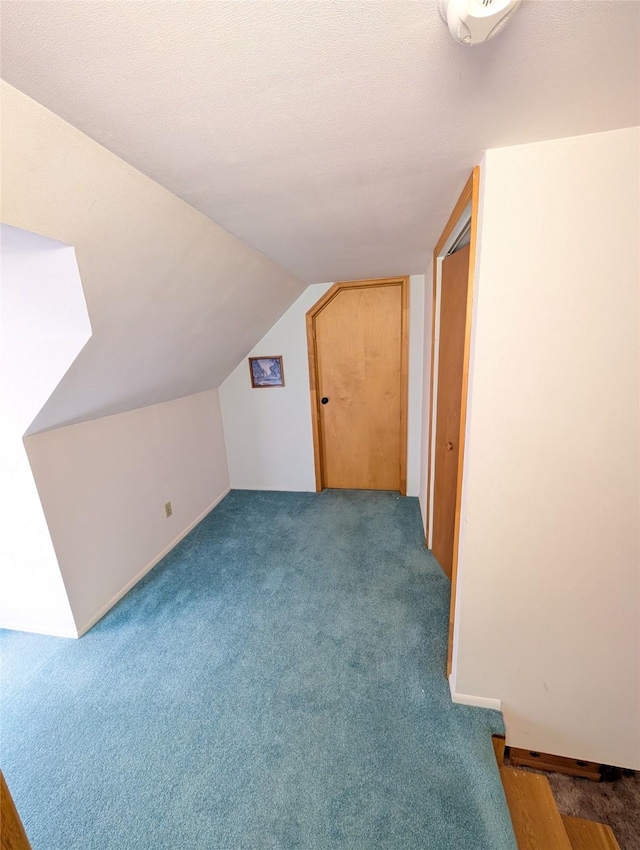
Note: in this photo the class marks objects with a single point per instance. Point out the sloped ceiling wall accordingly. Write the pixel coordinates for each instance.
(332, 136)
(174, 300)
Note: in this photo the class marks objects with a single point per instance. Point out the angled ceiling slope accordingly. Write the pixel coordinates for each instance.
(175, 302)
(333, 136)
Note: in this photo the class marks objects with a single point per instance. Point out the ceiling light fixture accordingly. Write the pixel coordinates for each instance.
(476, 21)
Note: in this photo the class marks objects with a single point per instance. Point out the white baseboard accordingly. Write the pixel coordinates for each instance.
(270, 489)
(124, 590)
(469, 699)
(38, 629)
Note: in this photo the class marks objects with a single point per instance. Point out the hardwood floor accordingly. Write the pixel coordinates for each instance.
(537, 822)
(12, 834)
(587, 835)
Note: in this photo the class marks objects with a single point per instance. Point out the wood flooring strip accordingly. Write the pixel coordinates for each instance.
(587, 835)
(12, 834)
(537, 823)
(498, 748)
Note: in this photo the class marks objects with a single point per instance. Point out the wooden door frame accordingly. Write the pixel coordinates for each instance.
(317, 308)
(466, 209)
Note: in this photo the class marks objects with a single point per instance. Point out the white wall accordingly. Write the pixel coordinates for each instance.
(426, 410)
(174, 302)
(416, 382)
(103, 486)
(269, 432)
(43, 326)
(174, 299)
(548, 583)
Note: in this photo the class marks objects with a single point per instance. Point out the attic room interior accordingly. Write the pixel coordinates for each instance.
(320, 419)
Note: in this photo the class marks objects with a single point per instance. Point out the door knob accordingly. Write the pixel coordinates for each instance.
(449, 447)
(324, 400)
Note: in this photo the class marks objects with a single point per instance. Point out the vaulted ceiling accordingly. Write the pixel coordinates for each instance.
(332, 136)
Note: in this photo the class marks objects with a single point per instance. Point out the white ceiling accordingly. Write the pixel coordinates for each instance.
(332, 136)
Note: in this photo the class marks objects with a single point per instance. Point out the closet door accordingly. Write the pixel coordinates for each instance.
(453, 317)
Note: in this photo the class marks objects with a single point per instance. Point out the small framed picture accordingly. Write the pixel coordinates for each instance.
(266, 372)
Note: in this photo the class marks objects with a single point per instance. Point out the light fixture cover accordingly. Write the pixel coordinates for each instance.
(476, 21)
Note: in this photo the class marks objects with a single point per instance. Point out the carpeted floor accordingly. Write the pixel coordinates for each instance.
(275, 682)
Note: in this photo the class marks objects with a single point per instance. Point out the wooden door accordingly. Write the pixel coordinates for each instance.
(453, 319)
(359, 387)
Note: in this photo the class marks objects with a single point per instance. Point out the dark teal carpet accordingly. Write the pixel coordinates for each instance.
(275, 682)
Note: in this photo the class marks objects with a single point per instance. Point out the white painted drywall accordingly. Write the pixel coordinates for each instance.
(174, 300)
(426, 410)
(416, 381)
(269, 433)
(43, 326)
(103, 486)
(548, 582)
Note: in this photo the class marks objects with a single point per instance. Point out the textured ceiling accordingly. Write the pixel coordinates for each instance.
(332, 136)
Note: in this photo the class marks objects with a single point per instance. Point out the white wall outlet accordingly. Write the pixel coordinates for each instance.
(168, 509)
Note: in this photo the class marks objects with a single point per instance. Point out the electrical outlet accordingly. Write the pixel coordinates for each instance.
(168, 509)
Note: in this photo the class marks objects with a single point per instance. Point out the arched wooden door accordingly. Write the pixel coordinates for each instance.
(357, 336)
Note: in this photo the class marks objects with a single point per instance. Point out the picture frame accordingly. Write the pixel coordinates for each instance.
(266, 372)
